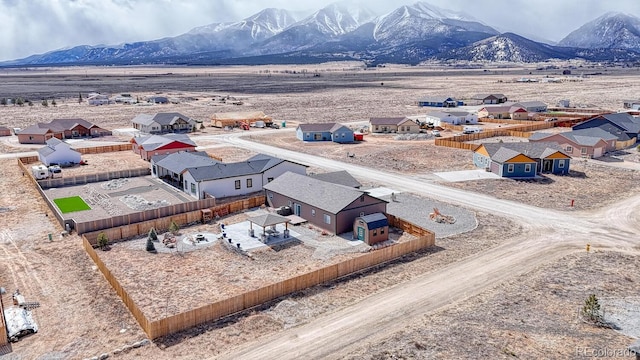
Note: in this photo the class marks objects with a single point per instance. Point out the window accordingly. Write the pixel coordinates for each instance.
(249, 183)
(527, 167)
(375, 232)
(155, 171)
(186, 185)
(327, 219)
(569, 148)
(381, 231)
(313, 212)
(583, 151)
(361, 198)
(237, 184)
(510, 168)
(269, 179)
(561, 164)
(193, 188)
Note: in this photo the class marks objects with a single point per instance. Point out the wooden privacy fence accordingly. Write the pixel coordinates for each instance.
(54, 209)
(138, 224)
(219, 309)
(460, 141)
(122, 293)
(91, 178)
(250, 299)
(103, 149)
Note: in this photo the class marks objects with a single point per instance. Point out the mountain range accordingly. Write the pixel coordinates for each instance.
(409, 34)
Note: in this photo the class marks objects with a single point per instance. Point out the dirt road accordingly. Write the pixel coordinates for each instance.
(551, 235)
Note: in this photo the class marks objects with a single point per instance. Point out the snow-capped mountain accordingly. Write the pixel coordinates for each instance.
(420, 21)
(409, 34)
(325, 25)
(610, 31)
(260, 26)
(509, 47)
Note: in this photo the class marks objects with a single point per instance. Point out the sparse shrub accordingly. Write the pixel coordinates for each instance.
(103, 241)
(45, 103)
(174, 228)
(19, 101)
(53, 102)
(3, 101)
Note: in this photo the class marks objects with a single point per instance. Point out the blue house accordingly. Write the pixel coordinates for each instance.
(439, 101)
(522, 159)
(325, 132)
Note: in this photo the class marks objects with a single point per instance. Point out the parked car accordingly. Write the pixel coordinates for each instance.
(435, 133)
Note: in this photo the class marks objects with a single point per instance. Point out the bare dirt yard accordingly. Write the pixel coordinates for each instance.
(532, 316)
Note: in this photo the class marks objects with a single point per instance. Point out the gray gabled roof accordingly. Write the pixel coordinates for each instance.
(56, 126)
(501, 152)
(50, 146)
(338, 177)
(527, 104)
(46, 151)
(227, 170)
(317, 127)
(153, 142)
(268, 220)
(625, 121)
(337, 127)
(387, 120)
(595, 132)
(484, 96)
(319, 194)
(272, 161)
(178, 162)
(163, 119)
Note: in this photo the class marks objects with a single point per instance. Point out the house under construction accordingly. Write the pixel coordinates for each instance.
(236, 119)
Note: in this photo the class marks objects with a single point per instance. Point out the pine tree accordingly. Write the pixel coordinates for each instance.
(45, 103)
(3, 101)
(153, 235)
(103, 241)
(591, 309)
(53, 102)
(19, 101)
(174, 228)
(150, 247)
(79, 98)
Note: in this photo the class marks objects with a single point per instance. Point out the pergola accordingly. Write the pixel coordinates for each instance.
(268, 220)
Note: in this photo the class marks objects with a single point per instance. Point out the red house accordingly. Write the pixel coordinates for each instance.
(148, 146)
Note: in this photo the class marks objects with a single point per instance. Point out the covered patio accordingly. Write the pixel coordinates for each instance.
(268, 223)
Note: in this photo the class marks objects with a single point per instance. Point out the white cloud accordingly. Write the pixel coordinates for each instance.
(36, 26)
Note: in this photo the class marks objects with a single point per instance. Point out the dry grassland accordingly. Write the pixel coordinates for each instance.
(81, 316)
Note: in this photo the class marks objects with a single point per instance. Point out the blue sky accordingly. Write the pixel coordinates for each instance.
(36, 26)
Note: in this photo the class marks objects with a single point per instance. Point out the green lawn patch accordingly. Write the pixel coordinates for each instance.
(71, 204)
